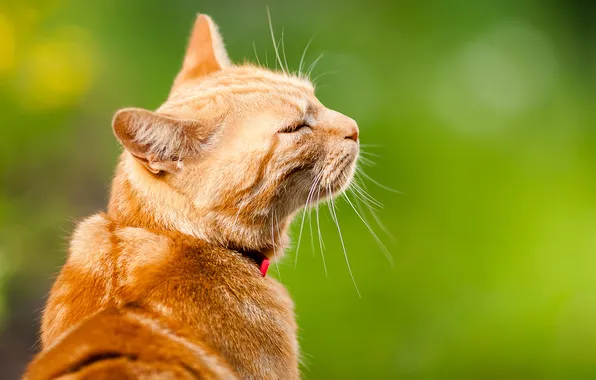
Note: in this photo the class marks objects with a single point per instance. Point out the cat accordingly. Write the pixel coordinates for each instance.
(171, 281)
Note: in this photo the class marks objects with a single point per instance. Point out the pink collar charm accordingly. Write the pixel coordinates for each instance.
(264, 266)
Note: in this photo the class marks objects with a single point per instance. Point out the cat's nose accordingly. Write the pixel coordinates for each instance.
(352, 134)
(342, 126)
(350, 129)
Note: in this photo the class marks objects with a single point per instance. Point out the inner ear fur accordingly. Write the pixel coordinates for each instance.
(158, 141)
(205, 53)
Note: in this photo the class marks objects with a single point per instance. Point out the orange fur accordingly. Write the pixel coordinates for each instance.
(163, 284)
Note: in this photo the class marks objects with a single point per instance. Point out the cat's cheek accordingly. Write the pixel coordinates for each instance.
(303, 136)
(290, 139)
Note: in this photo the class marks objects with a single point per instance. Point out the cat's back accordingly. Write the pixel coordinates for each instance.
(127, 344)
(83, 285)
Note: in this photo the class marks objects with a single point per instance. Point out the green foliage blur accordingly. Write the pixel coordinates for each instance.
(481, 113)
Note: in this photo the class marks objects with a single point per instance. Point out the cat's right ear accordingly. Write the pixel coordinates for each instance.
(206, 52)
(159, 142)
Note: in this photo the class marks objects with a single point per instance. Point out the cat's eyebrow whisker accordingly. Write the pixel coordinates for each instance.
(318, 87)
(254, 46)
(304, 55)
(312, 65)
(283, 51)
(331, 206)
(316, 79)
(279, 64)
(275, 45)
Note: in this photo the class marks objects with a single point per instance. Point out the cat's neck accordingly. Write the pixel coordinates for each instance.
(139, 199)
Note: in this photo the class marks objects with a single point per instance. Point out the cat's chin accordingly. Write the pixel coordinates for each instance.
(340, 182)
(338, 186)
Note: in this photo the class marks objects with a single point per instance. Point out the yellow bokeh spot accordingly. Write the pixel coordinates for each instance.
(58, 71)
(7, 45)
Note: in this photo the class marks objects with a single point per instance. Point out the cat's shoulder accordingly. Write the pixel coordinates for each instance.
(90, 240)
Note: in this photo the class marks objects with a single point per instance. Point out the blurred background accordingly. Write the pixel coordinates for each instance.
(481, 113)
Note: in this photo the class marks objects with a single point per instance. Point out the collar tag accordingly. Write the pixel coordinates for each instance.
(264, 267)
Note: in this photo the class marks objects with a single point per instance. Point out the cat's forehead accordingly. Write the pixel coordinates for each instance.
(241, 82)
(250, 75)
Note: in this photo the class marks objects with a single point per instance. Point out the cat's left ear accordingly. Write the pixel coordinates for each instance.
(158, 142)
(206, 52)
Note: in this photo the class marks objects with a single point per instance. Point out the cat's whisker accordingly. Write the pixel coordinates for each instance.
(356, 185)
(321, 242)
(275, 45)
(274, 244)
(378, 241)
(373, 211)
(362, 173)
(365, 153)
(362, 190)
(304, 55)
(358, 196)
(363, 217)
(366, 161)
(357, 191)
(312, 242)
(299, 239)
(358, 181)
(308, 198)
(331, 205)
(382, 225)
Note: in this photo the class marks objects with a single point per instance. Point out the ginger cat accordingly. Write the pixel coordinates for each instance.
(170, 282)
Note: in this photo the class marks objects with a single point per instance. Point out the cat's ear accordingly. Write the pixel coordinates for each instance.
(206, 52)
(157, 141)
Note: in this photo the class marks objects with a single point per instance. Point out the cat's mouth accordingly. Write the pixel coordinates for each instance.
(339, 176)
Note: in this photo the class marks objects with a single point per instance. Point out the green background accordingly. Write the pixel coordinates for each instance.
(480, 112)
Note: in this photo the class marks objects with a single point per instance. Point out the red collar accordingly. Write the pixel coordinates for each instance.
(264, 266)
(259, 259)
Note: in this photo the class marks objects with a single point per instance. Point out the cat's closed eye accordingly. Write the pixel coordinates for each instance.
(294, 128)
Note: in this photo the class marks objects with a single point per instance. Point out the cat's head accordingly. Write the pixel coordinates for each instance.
(235, 150)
